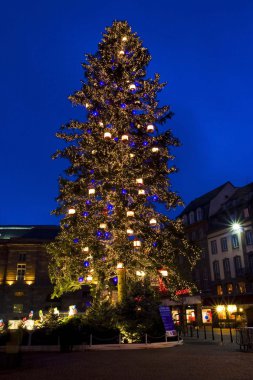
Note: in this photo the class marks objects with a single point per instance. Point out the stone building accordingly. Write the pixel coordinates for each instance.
(24, 279)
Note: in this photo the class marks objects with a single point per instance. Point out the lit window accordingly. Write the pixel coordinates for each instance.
(241, 287)
(229, 288)
(249, 237)
(213, 247)
(235, 241)
(18, 308)
(199, 214)
(224, 244)
(191, 217)
(21, 269)
(219, 290)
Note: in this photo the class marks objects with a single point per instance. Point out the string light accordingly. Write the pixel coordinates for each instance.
(152, 222)
(124, 138)
(155, 149)
(107, 135)
(141, 192)
(71, 211)
(92, 191)
(139, 181)
(130, 213)
(150, 128)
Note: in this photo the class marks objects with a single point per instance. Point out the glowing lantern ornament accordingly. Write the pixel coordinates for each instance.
(124, 138)
(137, 243)
(89, 278)
(130, 214)
(85, 249)
(132, 155)
(120, 266)
(150, 128)
(132, 87)
(130, 231)
(121, 52)
(155, 149)
(124, 39)
(71, 211)
(152, 222)
(101, 124)
(141, 192)
(103, 226)
(92, 191)
(139, 181)
(163, 272)
(107, 135)
(140, 273)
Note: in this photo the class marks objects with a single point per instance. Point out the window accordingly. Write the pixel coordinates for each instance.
(241, 287)
(18, 308)
(219, 290)
(251, 263)
(213, 247)
(22, 257)
(191, 217)
(224, 244)
(249, 237)
(235, 241)
(21, 269)
(19, 294)
(199, 214)
(238, 265)
(226, 267)
(205, 278)
(216, 270)
(229, 288)
(246, 213)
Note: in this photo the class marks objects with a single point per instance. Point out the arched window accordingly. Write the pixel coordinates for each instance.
(185, 220)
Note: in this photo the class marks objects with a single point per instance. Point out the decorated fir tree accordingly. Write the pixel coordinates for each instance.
(119, 174)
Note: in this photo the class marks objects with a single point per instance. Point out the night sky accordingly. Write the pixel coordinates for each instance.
(203, 49)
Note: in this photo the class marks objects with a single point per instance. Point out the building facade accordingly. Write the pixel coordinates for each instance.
(24, 281)
(223, 218)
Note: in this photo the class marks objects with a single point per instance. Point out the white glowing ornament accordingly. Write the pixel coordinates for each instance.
(130, 231)
(92, 191)
(101, 124)
(163, 272)
(121, 52)
(140, 273)
(85, 249)
(139, 181)
(137, 243)
(124, 138)
(155, 149)
(141, 192)
(120, 266)
(152, 222)
(132, 155)
(132, 87)
(71, 211)
(130, 214)
(103, 225)
(124, 39)
(87, 105)
(150, 128)
(89, 278)
(107, 135)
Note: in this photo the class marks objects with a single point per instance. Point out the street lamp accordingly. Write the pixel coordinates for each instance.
(236, 227)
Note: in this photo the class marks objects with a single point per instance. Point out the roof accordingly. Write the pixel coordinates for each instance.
(31, 233)
(204, 199)
(243, 192)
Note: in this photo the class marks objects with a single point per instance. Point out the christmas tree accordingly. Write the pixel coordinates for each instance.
(119, 174)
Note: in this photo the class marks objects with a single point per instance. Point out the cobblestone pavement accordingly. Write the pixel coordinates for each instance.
(195, 359)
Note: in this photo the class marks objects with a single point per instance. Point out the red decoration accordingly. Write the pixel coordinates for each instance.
(162, 287)
(182, 291)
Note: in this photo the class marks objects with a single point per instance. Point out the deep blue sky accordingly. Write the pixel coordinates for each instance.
(202, 48)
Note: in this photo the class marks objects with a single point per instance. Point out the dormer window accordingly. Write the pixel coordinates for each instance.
(191, 217)
(199, 214)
